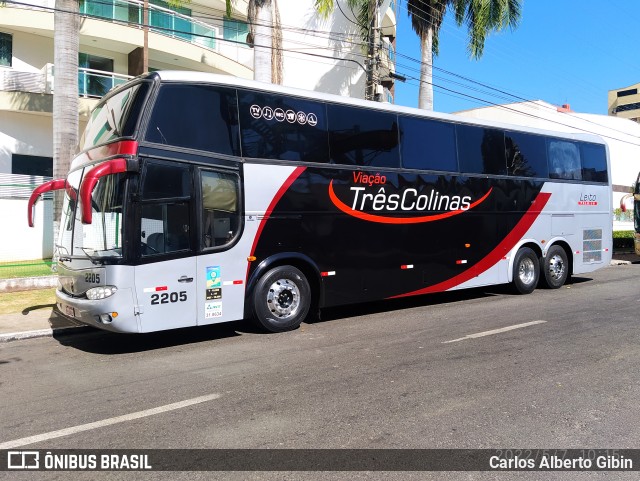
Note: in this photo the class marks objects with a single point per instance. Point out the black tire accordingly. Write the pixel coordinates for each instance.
(526, 271)
(554, 268)
(281, 299)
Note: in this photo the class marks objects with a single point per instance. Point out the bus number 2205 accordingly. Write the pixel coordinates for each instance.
(168, 297)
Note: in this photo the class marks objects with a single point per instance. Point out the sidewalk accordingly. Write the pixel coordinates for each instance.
(43, 321)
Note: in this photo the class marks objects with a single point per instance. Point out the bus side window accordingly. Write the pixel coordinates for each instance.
(165, 212)
(564, 160)
(220, 213)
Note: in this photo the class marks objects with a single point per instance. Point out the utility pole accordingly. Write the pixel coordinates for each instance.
(373, 60)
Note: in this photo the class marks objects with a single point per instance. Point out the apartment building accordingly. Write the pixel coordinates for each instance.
(318, 54)
(625, 102)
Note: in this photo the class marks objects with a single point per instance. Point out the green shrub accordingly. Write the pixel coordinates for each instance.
(623, 239)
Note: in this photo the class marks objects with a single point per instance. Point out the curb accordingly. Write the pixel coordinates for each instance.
(620, 263)
(20, 336)
(28, 283)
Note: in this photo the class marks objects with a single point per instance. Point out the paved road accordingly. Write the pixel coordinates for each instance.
(384, 375)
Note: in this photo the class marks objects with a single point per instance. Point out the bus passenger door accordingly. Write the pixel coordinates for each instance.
(165, 278)
(166, 294)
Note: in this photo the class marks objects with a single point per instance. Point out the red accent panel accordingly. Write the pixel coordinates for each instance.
(495, 255)
(56, 184)
(237, 283)
(398, 220)
(276, 198)
(90, 180)
(161, 288)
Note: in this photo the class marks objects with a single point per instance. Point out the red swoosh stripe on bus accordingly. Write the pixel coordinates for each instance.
(276, 198)
(495, 255)
(398, 220)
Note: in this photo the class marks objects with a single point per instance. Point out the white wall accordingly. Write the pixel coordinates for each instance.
(24, 242)
(341, 77)
(27, 134)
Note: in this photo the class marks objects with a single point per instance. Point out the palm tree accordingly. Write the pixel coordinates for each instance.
(265, 35)
(481, 18)
(65, 95)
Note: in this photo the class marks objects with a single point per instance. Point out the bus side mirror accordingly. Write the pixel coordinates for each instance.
(56, 184)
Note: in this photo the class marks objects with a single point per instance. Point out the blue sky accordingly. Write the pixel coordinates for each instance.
(563, 51)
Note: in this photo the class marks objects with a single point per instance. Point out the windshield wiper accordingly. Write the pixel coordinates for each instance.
(94, 260)
(62, 258)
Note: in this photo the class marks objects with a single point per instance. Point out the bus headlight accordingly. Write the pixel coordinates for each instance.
(96, 293)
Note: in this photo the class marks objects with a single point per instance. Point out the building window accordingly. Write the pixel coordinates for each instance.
(625, 93)
(6, 49)
(95, 77)
(31, 165)
(235, 30)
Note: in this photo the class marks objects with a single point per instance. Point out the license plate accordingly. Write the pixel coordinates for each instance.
(70, 311)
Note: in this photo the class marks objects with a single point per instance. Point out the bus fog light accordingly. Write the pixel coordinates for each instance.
(105, 318)
(97, 293)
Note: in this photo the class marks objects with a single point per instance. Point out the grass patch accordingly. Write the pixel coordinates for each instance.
(11, 302)
(34, 268)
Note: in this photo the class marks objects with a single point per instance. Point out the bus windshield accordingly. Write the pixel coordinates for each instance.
(103, 237)
(109, 119)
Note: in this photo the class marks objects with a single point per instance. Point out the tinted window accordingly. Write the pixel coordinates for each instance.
(164, 228)
(428, 144)
(526, 155)
(285, 128)
(481, 151)
(220, 213)
(564, 160)
(363, 137)
(166, 180)
(594, 162)
(196, 117)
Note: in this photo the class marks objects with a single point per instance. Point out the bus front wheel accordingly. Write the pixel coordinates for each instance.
(555, 267)
(281, 299)
(526, 271)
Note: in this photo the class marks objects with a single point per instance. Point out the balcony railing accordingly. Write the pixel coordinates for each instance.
(91, 83)
(96, 83)
(161, 20)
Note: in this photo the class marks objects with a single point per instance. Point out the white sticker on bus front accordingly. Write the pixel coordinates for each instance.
(212, 309)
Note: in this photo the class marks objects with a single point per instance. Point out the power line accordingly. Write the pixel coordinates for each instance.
(442, 88)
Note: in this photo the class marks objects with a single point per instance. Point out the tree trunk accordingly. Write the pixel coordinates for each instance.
(262, 44)
(65, 95)
(425, 95)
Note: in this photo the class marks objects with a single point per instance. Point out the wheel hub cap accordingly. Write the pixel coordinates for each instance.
(526, 271)
(556, 267)
(283, 299)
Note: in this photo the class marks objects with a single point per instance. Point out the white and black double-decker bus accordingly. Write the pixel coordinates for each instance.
(199, 199)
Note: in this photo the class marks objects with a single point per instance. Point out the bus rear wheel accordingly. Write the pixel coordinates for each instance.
(281, 299)
(555, 267)
(526, 271)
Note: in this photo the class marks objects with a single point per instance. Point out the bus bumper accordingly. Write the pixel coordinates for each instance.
(115, 313)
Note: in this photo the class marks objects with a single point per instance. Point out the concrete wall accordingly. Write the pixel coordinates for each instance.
(21, 242)
(27, 134)
(341, 77)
